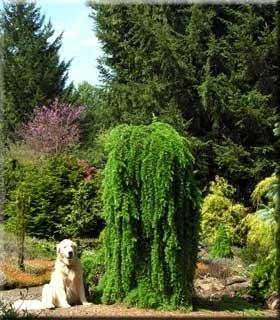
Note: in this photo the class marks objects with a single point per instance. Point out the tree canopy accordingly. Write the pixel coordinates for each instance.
(211, 71)
(32, 72)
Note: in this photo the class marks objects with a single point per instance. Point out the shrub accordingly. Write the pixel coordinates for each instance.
(263, 277)
(143, 296)
(221, 247)
(85, 218)
(48, 188)
(261, 226)
(22, 206)
(57, 194)
(93, 269)
(260, 238)
(33, 247)
(218, 208)
(39, 248)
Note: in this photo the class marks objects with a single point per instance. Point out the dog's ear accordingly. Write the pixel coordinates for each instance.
(74, 244)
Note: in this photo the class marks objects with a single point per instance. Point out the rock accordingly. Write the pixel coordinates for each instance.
(239, 286)
(235, 279)
(3, 280)
(273, 301)
(209, 287)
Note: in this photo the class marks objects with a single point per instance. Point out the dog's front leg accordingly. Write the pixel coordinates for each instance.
(47, 297)
(61, 298)
(81, 291)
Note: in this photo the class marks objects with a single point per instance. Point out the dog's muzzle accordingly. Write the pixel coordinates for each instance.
(70, 255)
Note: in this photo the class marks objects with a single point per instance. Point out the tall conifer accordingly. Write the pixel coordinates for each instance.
(210, 70)
(33, 74)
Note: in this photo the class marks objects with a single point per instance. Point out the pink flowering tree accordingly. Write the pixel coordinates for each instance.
(53, 128)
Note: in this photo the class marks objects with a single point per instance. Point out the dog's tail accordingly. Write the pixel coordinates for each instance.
(27, 305)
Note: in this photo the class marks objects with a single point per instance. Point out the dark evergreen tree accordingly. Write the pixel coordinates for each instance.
(90, 97)
(239, 109)
(142, 58)
(33, 74)
(210, 70)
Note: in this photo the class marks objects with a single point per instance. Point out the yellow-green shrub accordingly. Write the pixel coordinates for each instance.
(261, 234)
(262, 224)
(219, 208)
(261, 239)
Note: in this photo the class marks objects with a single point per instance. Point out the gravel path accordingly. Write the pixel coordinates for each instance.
(10, 296)
(113, 311)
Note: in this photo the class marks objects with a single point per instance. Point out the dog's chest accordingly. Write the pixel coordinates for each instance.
(71, 289)
(69, 278)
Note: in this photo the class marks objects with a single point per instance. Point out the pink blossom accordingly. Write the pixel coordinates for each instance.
(53, 128)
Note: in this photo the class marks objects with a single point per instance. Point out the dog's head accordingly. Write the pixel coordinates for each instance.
(67, 251)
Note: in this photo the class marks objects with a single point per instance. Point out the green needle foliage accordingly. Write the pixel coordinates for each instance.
(210, 71)
(33, 74)
(221, 247)
(151, 206)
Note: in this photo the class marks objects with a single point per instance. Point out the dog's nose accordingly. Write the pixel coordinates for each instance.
(70, 254)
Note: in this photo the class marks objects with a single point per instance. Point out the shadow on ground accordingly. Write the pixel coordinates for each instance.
(227, 303)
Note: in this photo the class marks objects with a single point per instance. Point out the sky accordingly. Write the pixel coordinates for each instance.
(79, 41)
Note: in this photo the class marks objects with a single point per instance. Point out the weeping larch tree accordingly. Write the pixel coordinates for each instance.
(151, 206)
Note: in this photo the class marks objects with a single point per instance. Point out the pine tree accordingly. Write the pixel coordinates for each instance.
(142, 57)
(90, 97)
(239, 105)
(33, 74)
(209, 70)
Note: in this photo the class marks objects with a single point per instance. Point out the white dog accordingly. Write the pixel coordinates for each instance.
(66, 286)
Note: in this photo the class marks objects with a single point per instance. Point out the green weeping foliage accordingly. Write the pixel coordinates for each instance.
(151, 206)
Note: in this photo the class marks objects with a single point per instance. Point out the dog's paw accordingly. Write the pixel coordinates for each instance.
(85, 303)
(66, 305)
(49, 306)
